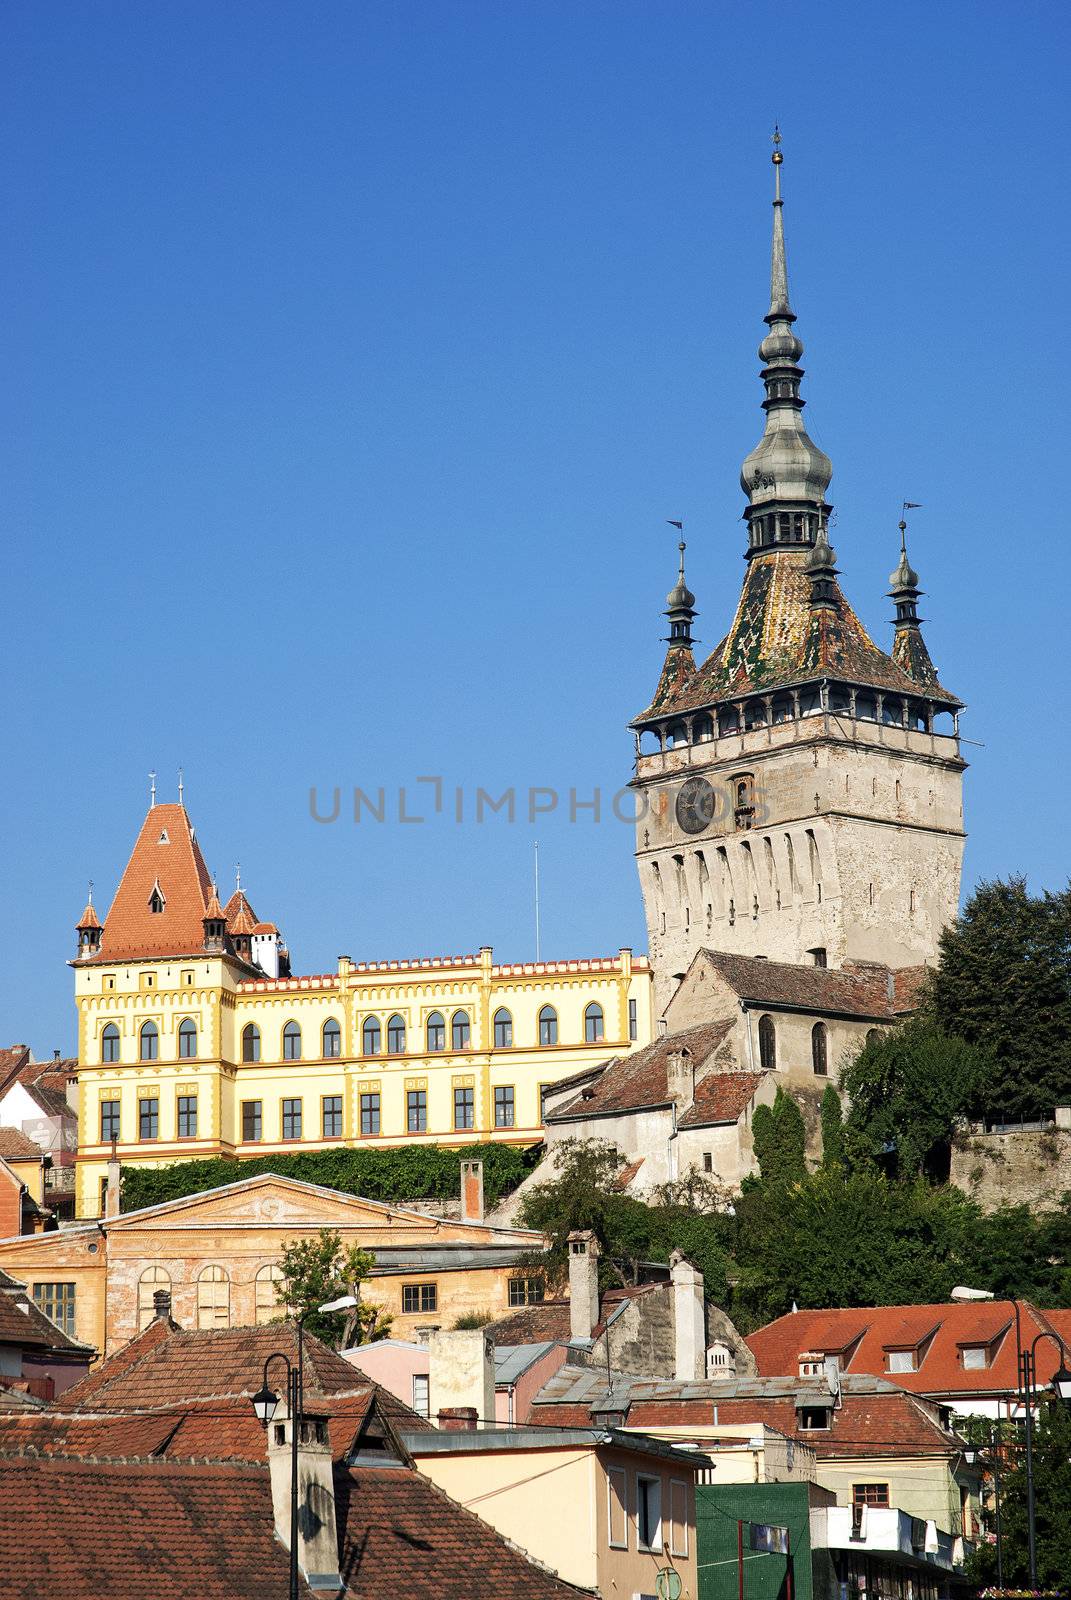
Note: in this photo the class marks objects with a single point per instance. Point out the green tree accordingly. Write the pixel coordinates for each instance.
(779, 1136)
(1003, 984)
(906, 1090)
(832, 1128)
(316, 1271)
(1052, 1496)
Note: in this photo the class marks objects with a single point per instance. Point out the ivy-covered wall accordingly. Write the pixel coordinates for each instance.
(409, 1172)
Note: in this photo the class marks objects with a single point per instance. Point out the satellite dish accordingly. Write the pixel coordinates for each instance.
(832, 1366)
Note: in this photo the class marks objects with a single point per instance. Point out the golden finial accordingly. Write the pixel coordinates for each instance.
(777, 158)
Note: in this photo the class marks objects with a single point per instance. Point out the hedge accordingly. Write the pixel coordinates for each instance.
(410, 1172)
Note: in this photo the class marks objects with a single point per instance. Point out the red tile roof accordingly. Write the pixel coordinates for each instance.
(241, 918)
(864, 990)
(166, 853)
(720, 1097)
(16, 1146)
(12, 1061)
(939, 1333)
(630, 1083)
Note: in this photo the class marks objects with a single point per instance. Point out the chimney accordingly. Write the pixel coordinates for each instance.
(472, 1191)
(689, 1320)
(316, 1526)
(461, 1375)
(111, 1193)
(161, 1303)
(680, 1075)
(583, 1284)
(458, 1419)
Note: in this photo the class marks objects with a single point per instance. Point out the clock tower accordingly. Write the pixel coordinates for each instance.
(800, 792)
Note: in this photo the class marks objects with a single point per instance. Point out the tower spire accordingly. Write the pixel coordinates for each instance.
(786, 476)
(909, 648)
(680, 601)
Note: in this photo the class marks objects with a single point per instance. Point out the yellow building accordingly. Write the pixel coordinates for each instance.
(196, 1040)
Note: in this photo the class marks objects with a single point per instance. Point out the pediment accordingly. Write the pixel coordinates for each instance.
(279, 1202)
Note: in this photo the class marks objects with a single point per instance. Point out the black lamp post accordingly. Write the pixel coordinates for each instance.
(265, 1404)
(1061, 1384)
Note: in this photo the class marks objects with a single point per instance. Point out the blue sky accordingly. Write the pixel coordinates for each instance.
(354, 356)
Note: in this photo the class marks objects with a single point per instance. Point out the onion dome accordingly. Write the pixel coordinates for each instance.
(680, 607)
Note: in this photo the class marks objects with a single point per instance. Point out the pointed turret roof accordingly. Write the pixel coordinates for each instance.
(89, 918)
(909, 647)
(166, 856)
(241, 918)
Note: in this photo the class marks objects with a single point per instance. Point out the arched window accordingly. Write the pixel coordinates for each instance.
(152, 1280)
(371, 1037)
(767, 1044)
(291, 1042)
(873, 1036)
(819, 1054)
(548, 1025)
(187, 1039)
(213, 1298)
(109, 1043)
(250, 1042)
(436, 1031)
(148, 1042)
(268, 1289)
(593, 1023)
(461, 1031)
(503, 1029)
(332, 1045)
(395, 1036)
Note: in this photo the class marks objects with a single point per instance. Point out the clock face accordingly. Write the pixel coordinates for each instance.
(695, 805)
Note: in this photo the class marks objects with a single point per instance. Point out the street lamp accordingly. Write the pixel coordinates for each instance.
(266, 1403)
(1027, 1378)
(992, 1460)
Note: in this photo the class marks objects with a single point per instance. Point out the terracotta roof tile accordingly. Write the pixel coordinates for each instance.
(868, 991)
(720, 1097)
(632, 1082)
(16, 1146)
(12, 1061)
(166, 853)
(874, 1330)
(22, 1324)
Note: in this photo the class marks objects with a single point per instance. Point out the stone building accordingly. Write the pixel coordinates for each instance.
(195, 1038)
(799, 793)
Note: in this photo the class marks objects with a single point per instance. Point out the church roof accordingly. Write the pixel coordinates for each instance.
(166, 857)
(777, 639)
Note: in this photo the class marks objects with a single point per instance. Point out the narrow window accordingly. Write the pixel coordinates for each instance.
(370, 1037)
(109, 1121)
(332, 1045)
(504, 1107)
(460, 1030)
(633, 1023)
(369, 1114)
(252, 1120)
(268, 1288)
(213, 1298)
(187, 1039)
(767, 1044)
(436, 1031)
(649, 1513)
(743, 801)
(396, 1036)
(503, 1029)
(109, 1043)
(291, 1119)
(156, 900)
(873, 1037)
(291, 1042)
(152, 1281)
(593, 1024)
(250, 1042)
(420, 1394)
(416, 1110)
(187, 1116)
(332, 1116)
(548, 1026)
(148, 1042)
(417, 1297)
(149, 1117)
(464, 1108)
(818, 1050)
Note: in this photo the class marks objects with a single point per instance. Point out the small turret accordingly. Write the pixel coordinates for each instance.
(822, 570)
(680, 608)
(90, 930)
(909, 648)
(214, 923)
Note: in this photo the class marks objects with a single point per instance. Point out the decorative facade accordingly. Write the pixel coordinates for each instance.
(196, 1040)
(801, 789)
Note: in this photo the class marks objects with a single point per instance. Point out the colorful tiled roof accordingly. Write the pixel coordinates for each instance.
(937, 1333)
(630, 1083)
(777, 640)
(167, 856)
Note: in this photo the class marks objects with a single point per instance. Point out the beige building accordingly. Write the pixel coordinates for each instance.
(196, 1039)
(607, 1512)
(217, 1255)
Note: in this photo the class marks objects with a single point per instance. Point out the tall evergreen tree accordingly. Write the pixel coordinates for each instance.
(779, 1135)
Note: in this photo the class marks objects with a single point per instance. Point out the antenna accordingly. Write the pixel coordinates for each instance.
(535, 866)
